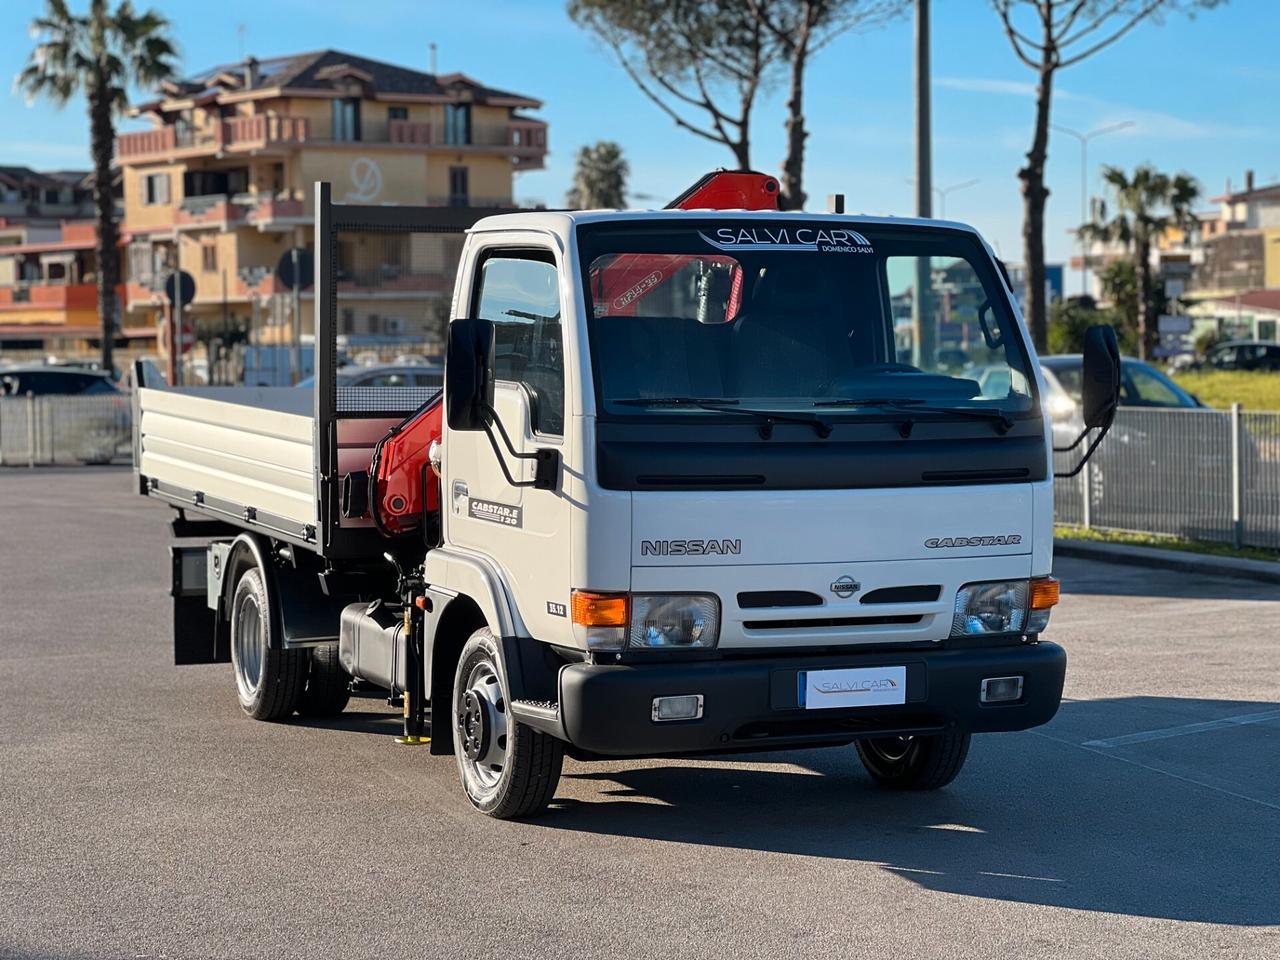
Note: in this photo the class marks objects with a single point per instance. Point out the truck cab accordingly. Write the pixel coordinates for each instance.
(700, 481)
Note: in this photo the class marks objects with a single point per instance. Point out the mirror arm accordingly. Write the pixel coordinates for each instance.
(492, 414)
(1087, 454)
(1075, 443)
(547, 471)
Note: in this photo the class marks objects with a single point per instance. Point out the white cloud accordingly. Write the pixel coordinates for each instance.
(1149, 124)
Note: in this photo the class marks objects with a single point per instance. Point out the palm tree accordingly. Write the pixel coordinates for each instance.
(600, 180)
(1146, 205)
(99, 54)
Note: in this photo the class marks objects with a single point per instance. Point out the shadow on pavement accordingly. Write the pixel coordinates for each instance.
(1032, 818)
(1101, 578)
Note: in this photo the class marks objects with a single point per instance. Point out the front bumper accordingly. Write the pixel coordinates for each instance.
(753, 703)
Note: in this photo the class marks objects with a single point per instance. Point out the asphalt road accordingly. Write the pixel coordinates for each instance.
(142, 816)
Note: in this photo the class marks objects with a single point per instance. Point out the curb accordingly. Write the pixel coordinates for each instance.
(1264, 571)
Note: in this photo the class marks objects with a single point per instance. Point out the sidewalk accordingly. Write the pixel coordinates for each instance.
(1181, 560)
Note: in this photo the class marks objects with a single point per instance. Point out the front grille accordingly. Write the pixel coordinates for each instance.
(917, 593)
(757, 599)
(830, 622)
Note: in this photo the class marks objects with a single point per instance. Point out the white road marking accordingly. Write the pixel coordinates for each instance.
(1185, 729)
(1167, 773)
(1019, 876)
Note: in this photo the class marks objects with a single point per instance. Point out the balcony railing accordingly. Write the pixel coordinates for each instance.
(52, 296)
(220, 208)
(526, 140)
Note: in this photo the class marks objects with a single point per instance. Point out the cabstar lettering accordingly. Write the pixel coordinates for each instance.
(502, 513)
(818, 238)
(1003, 540)
(690, 548)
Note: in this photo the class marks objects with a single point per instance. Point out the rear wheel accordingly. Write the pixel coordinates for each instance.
(508, 770)
(328, 687)
(914, 763)
(269, 682)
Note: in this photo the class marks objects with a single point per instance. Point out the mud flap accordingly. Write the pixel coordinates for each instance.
(194, 637)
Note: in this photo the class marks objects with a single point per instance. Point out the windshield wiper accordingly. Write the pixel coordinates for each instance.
(765, 418)
(1003, 422)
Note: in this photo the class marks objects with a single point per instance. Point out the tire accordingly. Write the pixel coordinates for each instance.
(914, 763)
(508, 770)
(328, 687)
(269, 683)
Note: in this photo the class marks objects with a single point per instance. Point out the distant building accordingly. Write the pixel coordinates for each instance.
(1241, 246)
(48, 262)
(1054, 288)
(221, 186)
(1251, 315)
(28, 195)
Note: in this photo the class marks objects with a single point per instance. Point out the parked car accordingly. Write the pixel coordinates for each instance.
(386, 375)
(1141, 385)
(44, 381)
(80, 413)
(1243, 355)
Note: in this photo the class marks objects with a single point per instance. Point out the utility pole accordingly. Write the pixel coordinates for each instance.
(1084, 139)
(923, 333)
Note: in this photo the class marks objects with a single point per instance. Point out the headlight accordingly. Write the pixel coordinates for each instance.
(1005, 606)
(1061, 406)
(688, 621)
(983, 608)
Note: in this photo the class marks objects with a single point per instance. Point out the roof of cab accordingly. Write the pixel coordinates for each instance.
(562, 221)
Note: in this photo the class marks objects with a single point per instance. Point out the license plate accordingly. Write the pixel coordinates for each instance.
(853, 687)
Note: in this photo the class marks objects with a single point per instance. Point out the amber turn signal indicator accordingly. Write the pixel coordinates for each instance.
(1044, 593)
(600, 609)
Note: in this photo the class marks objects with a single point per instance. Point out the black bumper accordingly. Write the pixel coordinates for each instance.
(754, 704)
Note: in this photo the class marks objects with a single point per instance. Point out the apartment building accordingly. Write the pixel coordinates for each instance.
(221, 184)
(48, 267)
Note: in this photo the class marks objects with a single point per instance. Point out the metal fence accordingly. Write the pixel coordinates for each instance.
(37, 431)
(1200, 474)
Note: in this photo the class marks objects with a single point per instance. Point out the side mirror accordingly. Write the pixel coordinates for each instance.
(1100, 391)
(1101, 385)
(468, 374)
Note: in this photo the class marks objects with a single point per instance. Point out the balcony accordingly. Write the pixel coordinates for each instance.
(49, 296)
(222, 211)
(235, 135)
(524, 140)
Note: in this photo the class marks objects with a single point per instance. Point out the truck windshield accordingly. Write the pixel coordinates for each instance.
(688, 316)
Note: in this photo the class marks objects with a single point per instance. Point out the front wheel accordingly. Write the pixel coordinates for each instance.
(914, 763)
(508, 770)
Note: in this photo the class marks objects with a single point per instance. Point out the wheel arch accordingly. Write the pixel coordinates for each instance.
(458, 618)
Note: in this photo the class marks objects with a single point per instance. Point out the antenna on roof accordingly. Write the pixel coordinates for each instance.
(434, 69)
(242, 31)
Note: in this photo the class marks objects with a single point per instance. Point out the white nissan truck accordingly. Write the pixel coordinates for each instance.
(703, 480)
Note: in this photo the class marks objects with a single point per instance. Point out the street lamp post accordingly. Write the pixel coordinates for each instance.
(941, 194)
(1084, 139)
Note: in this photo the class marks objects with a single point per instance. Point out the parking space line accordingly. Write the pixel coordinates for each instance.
(1185, 729)
(1146, 766)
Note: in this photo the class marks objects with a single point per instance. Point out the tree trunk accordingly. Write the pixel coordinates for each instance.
(742, 151)
(1034, 196)
(793, 195)
(101, 145)
(1146, 302)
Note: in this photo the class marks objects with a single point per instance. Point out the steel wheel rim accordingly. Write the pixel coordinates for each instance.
(247, 647)
(891, 749)
(481, 727)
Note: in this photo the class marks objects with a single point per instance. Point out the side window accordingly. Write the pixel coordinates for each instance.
(1149, 390)
(519, 293)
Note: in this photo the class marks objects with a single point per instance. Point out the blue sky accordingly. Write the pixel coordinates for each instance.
(1203, 94)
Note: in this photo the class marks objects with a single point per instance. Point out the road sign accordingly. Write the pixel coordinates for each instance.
(306, 268)
(188, 338)
(184, 283)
